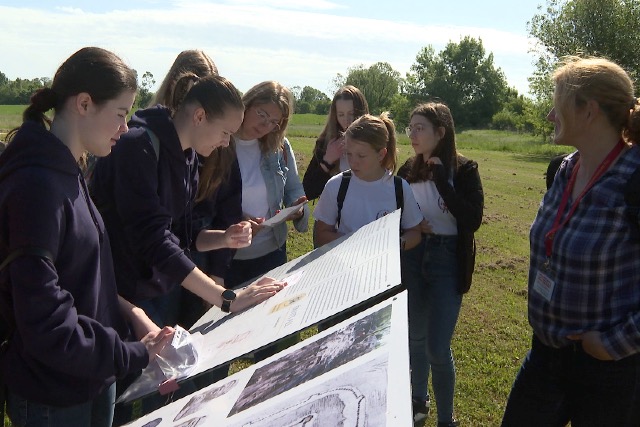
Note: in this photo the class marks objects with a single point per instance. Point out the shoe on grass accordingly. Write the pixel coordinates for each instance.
(420, 409)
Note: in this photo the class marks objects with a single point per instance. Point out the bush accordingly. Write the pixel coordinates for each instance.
(507, 120)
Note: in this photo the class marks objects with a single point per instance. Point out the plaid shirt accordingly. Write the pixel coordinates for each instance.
(595, 263)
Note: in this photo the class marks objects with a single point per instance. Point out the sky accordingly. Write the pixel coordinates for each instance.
(296, 42)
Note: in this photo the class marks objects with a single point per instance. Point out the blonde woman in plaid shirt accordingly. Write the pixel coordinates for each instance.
(584, 276)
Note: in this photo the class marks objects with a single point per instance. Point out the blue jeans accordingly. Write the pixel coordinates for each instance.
(243, 270)
(555, 386)
(429, 271)
(96, 413)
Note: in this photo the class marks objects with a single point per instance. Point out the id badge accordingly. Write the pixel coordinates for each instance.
(544, 285)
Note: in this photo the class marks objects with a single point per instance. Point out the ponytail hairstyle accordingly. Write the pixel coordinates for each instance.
(214, 94)
(439, 115)
(93, 70)
(579, 80)
(271, 92)
(187, 61)
(217, 167)
(378, 132)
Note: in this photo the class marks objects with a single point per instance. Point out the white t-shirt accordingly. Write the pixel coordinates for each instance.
(434, 209)
(254, 189)
(364, 203)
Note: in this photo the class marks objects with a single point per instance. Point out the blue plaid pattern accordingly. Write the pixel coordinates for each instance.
(595, 263)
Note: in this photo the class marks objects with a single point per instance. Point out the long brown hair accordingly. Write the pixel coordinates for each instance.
(332, 127)
(439, 115)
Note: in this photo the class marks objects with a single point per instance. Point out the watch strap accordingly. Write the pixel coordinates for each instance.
(226, 306)
(328, 165)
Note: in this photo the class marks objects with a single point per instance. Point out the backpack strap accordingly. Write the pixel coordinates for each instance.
(27, 250)
(10, 324)
(397, 182)
(155, 142)
(342, 192)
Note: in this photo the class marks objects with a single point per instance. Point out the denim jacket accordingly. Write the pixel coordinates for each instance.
(280, 174)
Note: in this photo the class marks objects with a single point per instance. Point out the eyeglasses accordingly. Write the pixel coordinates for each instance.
(417, 128)
(266, 119)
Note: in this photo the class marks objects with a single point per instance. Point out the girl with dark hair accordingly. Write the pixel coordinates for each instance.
(448, 189)
(67, 324)
(328, 156)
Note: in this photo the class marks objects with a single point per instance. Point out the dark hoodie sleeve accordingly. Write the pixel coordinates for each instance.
(146, 222)
(49, 319)
(315, 178)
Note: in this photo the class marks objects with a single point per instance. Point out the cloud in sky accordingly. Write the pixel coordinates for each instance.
(297, 43)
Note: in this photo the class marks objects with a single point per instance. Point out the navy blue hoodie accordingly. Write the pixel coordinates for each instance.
(67, 344)
(146, 200)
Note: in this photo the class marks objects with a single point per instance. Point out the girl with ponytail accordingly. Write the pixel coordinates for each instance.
(67, 327)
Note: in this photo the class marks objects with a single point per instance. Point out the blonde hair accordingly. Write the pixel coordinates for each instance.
(188, 61)
(378, 132)
(271, 92)
(581, 79)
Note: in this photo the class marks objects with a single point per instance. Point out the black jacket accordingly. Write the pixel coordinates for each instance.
(465, 201)
(315, 178)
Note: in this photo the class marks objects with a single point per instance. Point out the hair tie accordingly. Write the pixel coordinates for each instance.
(44, 99)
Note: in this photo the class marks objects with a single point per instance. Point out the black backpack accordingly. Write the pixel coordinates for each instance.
(631, 193)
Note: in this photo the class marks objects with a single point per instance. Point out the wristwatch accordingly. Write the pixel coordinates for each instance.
(328, 165)
(228, 296)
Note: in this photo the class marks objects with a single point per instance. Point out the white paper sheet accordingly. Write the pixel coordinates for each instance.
(283, 215)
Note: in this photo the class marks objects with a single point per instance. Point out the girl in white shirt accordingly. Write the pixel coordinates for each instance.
(372, 155)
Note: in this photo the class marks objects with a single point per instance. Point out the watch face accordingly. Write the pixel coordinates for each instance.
(228, 295)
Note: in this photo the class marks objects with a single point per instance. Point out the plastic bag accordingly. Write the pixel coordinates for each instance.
(175, 362)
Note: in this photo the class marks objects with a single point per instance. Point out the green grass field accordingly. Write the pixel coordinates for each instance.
(492, 335)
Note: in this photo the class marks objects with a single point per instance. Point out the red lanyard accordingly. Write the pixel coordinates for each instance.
(604, 166)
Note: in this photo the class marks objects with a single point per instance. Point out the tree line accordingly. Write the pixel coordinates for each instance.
(463, 74)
